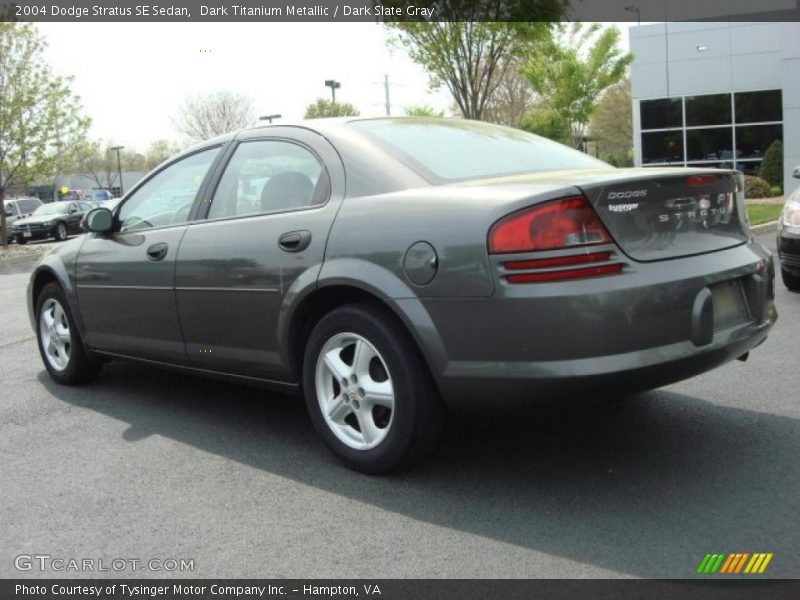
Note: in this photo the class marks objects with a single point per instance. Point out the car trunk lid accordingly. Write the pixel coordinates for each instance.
(670, 215)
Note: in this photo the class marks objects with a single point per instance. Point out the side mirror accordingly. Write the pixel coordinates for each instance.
(796, 173)
(98, 220)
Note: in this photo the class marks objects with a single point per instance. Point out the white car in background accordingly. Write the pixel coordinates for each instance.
(18, 208)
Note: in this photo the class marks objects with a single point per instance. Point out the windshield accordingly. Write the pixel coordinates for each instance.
(453, 149)
(56, 208)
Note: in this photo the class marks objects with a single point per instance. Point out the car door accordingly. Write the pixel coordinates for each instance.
(73, 217)
(266, 225)
(125, 279)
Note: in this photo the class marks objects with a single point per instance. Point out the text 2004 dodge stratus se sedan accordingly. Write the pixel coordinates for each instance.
(390, 267)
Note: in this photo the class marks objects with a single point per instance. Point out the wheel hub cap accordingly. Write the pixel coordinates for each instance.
(354, 391)
(54, 334)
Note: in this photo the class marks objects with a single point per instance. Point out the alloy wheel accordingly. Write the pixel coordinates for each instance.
(54, 334)
(354, 391)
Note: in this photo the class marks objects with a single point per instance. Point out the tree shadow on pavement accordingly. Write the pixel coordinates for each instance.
(643, 486)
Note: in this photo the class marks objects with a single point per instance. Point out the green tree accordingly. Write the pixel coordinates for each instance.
(41, 123)
(771, 169)
(570, 78)
(612, 124)
(546, 123)
(468, 55)
(322, 109)
(423, 110)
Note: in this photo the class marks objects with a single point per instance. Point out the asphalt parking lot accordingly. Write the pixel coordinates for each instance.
(149, 464)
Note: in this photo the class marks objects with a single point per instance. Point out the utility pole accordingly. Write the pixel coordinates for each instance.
(269, 118)
(386, 91)
(119, 167)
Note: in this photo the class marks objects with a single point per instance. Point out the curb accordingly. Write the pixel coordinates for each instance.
(764, 227)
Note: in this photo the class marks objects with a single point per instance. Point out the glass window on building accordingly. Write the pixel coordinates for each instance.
(752, 141)
(661, 114)
(709, 144)
(709, 109)
(749, 167)
(662, 147)
(758, 107)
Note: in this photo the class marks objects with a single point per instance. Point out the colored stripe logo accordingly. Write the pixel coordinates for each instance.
(734, 563)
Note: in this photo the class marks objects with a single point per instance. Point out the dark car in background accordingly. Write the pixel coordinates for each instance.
(387, 268)
(789, 239)
(55, 220)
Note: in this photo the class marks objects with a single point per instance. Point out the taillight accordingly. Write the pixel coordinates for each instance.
(564, 223)
(557, 261)
(700, 180)
(563, 274)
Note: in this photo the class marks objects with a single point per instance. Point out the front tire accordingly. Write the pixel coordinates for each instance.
(367, 390)
(60, 344)
(792, 282)
(21, 240)
(61, 232)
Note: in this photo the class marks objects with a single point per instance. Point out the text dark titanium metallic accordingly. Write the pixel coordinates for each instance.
(389, 267)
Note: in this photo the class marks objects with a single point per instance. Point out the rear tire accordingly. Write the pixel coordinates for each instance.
(381, 410)
(792, 282)
(61, 232)
(60, 344)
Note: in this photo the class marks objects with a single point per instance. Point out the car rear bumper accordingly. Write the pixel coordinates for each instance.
(631, 331)
(473, 382)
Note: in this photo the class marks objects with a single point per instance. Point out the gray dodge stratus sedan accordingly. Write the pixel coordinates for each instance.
(388, 268)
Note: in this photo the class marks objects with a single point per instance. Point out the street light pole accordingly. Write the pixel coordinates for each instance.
(334, 85)
(119, 167)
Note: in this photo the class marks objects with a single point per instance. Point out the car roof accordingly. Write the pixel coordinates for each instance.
(339, 124)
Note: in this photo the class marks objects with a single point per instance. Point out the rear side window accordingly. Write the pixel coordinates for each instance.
(266, 176)
(459, 149)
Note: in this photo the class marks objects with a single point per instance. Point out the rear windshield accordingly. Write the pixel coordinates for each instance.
(457, 149)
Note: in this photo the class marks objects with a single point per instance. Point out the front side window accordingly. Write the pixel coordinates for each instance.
(11, 209)
(268, 176)
(167, 198)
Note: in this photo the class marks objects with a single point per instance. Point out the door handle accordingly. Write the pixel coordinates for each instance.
(157, 251)
(295, 241)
